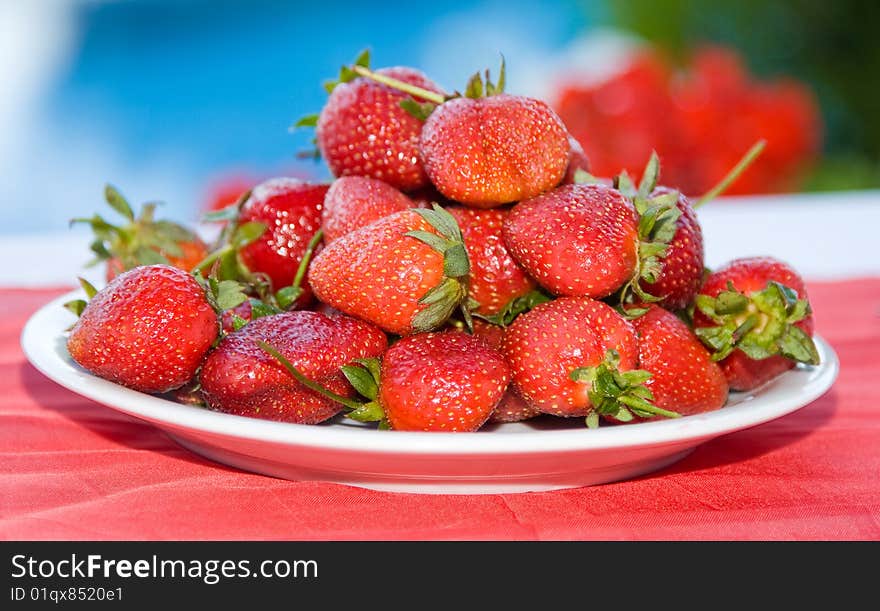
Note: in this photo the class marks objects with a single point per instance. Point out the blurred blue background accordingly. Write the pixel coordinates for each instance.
(162, 97)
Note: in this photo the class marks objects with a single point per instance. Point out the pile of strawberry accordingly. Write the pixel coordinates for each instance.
(463, 268)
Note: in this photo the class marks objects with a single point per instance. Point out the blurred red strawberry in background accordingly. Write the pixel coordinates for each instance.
(226, 190)
(700, 119)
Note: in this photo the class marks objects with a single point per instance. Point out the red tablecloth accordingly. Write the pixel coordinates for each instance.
(72, 470)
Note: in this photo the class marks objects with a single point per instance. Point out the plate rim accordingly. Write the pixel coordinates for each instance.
(163, 412)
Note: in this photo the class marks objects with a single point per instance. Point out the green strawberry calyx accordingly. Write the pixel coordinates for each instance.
(620, 394)
(140, 240)
(658, 220)
(222, 295)
(761, 324)
(77, 306)
(362, 374)
(513, 308)
(478, 88)
(451, 292)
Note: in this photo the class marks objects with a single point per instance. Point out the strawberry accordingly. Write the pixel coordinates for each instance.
(149, 329)
(291, 210)
(496, 279)
(489, 151)
(269, 238)
(143, 240)
(669, 269)
(226, 190)
(353, 202)
(362, 130)
(680, 273)
(576, 356)
(441, 382)
(579, 240)
(239, 378)
(405, 273)
(754, 315)
(670, 266)
(684, 376)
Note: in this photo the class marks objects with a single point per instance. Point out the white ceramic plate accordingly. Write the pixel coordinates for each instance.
(540, 454)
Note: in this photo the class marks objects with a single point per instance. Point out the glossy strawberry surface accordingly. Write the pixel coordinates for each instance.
(378, 273)
(353, 202)
(545, 345)
(291, 210)
(240, 378)
(363, 131)
(148, 329)
(490, 151)
(496, 278)
(684, 378)
(443, 381)
(579, 240)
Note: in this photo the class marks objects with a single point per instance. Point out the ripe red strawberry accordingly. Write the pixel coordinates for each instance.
(483, 151)
(363, 130)
(148, 329)
(576, 356)
(405, 273)
(290, 209)
(353, 202)
(684, 377)
(441, 382)
(496, 279)
(680, 272)
(490, 151)
(579, 240)
(226, 190)
(754, 315)
(143, 240)
(239, 377)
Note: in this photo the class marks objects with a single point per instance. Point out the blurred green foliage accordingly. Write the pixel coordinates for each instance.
(832, 45)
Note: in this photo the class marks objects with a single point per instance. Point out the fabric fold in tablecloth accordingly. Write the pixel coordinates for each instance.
(71, 469)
